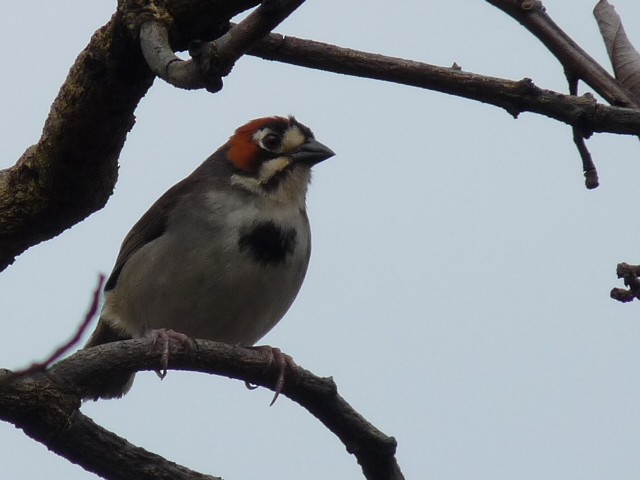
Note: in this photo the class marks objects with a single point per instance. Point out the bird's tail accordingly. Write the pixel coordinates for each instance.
(112, 386)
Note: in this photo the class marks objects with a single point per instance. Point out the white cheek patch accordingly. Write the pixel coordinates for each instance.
(292, 139)
(293, 188)
(267, 171)
(272, 167)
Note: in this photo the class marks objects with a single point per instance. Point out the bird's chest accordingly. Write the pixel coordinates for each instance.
(268, 259)
(267, 262)
(226, 277)
(268, 240)
(238, 282)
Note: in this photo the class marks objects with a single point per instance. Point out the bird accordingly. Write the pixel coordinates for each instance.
(223, 253)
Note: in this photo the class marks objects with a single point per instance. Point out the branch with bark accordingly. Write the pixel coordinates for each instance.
(514, 96)
(213, 60)
(631, 276)
(71, 172)
(578, 63)
(47, 406)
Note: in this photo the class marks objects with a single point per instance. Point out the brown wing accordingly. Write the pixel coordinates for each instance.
(150, 226)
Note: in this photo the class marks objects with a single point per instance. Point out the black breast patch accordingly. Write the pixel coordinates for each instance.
(269, 244)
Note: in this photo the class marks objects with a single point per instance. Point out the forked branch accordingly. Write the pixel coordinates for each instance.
(210, 61)
(532, 15)
(59, 422)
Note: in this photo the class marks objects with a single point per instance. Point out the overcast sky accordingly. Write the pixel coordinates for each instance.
(458, 290)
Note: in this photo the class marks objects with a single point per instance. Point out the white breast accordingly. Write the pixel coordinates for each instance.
(200, 280)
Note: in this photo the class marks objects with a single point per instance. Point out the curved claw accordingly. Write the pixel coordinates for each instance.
(164, 336)
(282, 360)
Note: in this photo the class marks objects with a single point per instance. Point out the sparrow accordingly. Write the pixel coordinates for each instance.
(223, 253)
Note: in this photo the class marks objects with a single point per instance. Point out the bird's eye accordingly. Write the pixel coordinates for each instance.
(271, 142)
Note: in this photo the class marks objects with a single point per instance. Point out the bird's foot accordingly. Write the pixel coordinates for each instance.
(162, 337)
(282, 360)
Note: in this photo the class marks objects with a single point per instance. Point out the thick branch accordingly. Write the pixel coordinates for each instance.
(241, 37)
(202, 19)
(582, 112)
(373, 450)
(71, 171)
(154, 40)
(50, 415)
(213, 60)
(531, 14)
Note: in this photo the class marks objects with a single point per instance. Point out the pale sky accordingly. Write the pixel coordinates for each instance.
(459, 284)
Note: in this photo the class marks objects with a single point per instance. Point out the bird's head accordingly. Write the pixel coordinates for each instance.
(272, 156)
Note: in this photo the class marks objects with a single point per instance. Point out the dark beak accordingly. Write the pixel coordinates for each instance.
(312, 152)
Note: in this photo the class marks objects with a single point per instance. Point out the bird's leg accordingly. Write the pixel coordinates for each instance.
(282, 360)
(164, 336)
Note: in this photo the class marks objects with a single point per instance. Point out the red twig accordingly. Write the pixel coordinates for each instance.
(65, 347)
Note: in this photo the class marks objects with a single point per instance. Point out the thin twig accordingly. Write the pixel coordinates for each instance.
(67, 346)
(588, 166)
(532, 15)
(590, 172)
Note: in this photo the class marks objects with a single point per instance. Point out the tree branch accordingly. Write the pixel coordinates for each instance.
(69, 344)
(531, 14)
(154, 40)
(514, 96)
(71, 171)
(66, 381)
(212, 60)
(588, 166)
(631, 276)
(50, 415)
